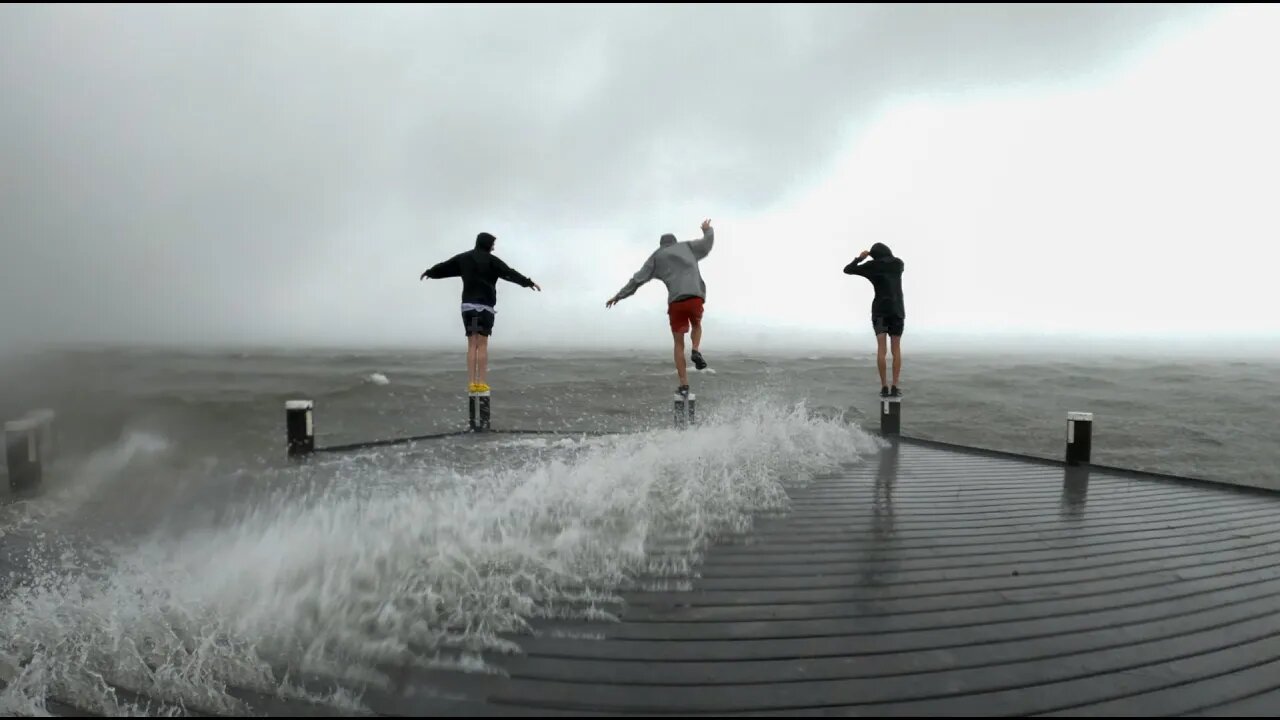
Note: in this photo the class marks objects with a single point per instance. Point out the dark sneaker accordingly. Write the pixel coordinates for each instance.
(683, 391)
(698, 362)
(895, 392)
(884, 392)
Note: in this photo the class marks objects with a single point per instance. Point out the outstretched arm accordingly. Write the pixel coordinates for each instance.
(644, 275)
(446, 269)
(510, 275)
(702, 248)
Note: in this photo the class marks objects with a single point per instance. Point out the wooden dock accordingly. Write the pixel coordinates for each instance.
(932, 581)
(935, 581)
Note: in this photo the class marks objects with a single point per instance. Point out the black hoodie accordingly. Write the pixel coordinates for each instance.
(885, 273)
(480, 270)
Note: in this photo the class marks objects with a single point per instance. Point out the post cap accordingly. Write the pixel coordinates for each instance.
(1080, 416)
(23, 425)
(299, 405)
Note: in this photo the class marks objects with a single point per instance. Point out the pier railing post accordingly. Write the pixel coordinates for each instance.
(890, 416)
(45, 417)
(1079, 438)
(478, 409)
(300, 427)
(23, 453)
(685, 410)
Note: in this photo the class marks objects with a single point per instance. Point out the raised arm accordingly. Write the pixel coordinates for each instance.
(856, 268)
(702, 248)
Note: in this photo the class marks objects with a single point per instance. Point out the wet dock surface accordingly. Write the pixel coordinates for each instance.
(930, 581)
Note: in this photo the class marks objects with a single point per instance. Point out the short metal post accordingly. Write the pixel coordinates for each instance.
(300, 427)
(1079, 437)
(890, 416)
(685, 409)
(45, 418)
(22, 450)
(478, 409)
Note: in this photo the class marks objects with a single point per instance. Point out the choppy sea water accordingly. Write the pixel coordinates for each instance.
(175, 552)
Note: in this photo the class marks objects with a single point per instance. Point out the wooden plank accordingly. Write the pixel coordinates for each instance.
(889, 572)
(994, 618)
(1229, 684)
(1022, 687)
(803, 532)
(1182, 520)
(1047, 503)
(1265, 703)
(832, 549)
(866, 590)
(903, 551)
(970, 504)
(1049, 633)
(1168, 675)
(938, 558)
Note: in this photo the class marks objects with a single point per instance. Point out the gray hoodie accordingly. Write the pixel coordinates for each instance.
(676, 265)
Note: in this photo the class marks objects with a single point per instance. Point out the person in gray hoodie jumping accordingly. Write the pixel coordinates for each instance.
(676, 265)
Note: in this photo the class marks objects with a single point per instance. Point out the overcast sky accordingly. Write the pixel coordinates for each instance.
(259, 174)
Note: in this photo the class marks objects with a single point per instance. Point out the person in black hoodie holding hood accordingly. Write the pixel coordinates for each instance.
(480, 271)
(888, 313)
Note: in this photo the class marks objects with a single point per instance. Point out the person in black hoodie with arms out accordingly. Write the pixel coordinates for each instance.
(480, 271)
(888, 313)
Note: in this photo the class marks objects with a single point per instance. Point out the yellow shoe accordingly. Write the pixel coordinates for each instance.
(473, 387)
(481, 387)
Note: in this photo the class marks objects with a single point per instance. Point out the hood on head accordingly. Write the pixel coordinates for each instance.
(666, 240)
(880, 251)
(484, 241)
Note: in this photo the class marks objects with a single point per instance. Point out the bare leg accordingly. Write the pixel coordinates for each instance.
(471, 360)
(681, 370)
(697, 334)
(482, 359)
(881, 349)
(897, 359)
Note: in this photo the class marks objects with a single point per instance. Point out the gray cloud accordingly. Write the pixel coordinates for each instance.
(243, 173)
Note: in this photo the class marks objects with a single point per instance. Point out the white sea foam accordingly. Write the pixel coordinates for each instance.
(429, 571)
(85, 479)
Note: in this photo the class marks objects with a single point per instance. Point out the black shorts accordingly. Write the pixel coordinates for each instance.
(888, 324)
(478, 322)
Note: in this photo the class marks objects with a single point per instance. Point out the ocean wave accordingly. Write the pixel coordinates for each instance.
(433, 569)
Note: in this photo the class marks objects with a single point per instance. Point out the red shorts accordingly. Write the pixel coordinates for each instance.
(682, 312)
